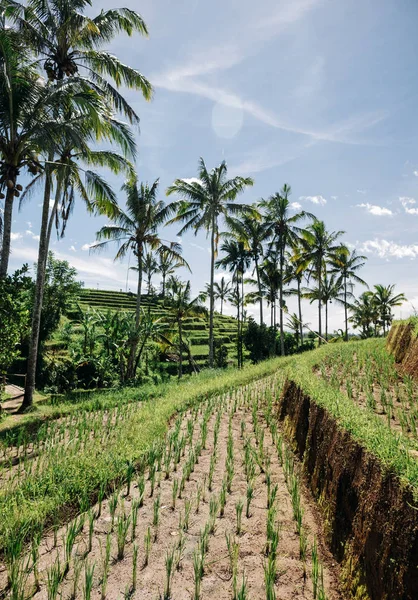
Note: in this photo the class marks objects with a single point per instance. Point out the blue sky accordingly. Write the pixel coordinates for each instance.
(319, 94)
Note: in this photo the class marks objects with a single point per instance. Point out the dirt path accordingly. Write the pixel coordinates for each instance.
(228, 444)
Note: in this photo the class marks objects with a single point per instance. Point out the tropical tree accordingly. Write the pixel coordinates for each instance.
(68, 43)
(136, 229)
(222, 290)
(236, 260)
(252, 231)
(150, 268)
(364, 314)
(332, 289)
(284, 233)
(293, 323)
(167, 266)
(385, 299)
(295, 272)
(82, 124)
(181, 308)
(26, 126)
(318, 247)
(203, 202)
(346, 264)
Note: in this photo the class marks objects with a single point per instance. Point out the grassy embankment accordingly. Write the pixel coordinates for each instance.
(70, 475)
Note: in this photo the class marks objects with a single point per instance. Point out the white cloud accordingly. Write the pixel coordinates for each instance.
(15, 236)
(72, 248)
(191, 180)
(416, 173)
(295, 205)
(361, 192)
(86, 247)
(407, 203)
(30, 233)
(388, 249)
(334, 197)
(374, 209)
(314, 199)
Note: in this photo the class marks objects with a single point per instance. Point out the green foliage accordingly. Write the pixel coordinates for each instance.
(14, 316)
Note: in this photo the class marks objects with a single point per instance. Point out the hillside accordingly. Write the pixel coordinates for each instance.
(196, 330)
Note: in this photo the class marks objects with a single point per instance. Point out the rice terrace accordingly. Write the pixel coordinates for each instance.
(217, 397)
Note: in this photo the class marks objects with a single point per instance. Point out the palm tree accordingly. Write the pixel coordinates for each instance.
(252, 231)
(203, 202)
(236, 260)
(364, 314)
(26, 126)
(284, 233)
(150, 267)
(72, 147)
(167, 266)
(384, 300)
(68, 43)
(136, 229)
(182, 307)
(222, 290)
(295, 272)
(346, 264)
(318, 246)
(294, 324)
(332, 289)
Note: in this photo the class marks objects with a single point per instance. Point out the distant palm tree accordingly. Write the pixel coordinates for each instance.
(385, 299)
(253, 231)
(167, 265)
(203, 202)
(284, 233)
(222, 291)
(182, 307)
(293, 323)
(332, 289)
(364, 314)
(236, 260)
(318, 246)
(295, 272)
(346, 264)
(150, 267)
(136, 229)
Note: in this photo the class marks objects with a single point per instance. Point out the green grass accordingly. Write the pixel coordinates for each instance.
(365, 426)
(72, 474)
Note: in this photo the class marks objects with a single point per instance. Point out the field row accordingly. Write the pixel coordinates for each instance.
(217, 510)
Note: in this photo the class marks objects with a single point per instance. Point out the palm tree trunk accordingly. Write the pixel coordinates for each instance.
(163, 286)
(300, 314)
(242, 315)
(211, 299)
(7, 231)
(222, 303)
(139, 291)
(320, 306)
(281, 300)
(257, 270)
(238, 327)
(180, 350)
(326, 321)
(39, 291)
(345, 309)
(131, 369)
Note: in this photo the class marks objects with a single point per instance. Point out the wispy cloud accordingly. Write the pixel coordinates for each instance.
(388, 249)
(408, 205)
(320, 200)
(86, 247)
(295, 205)
(195, 75)
(361, 192)
(374, 209)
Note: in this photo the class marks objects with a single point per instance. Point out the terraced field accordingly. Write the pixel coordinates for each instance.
(196, 331)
